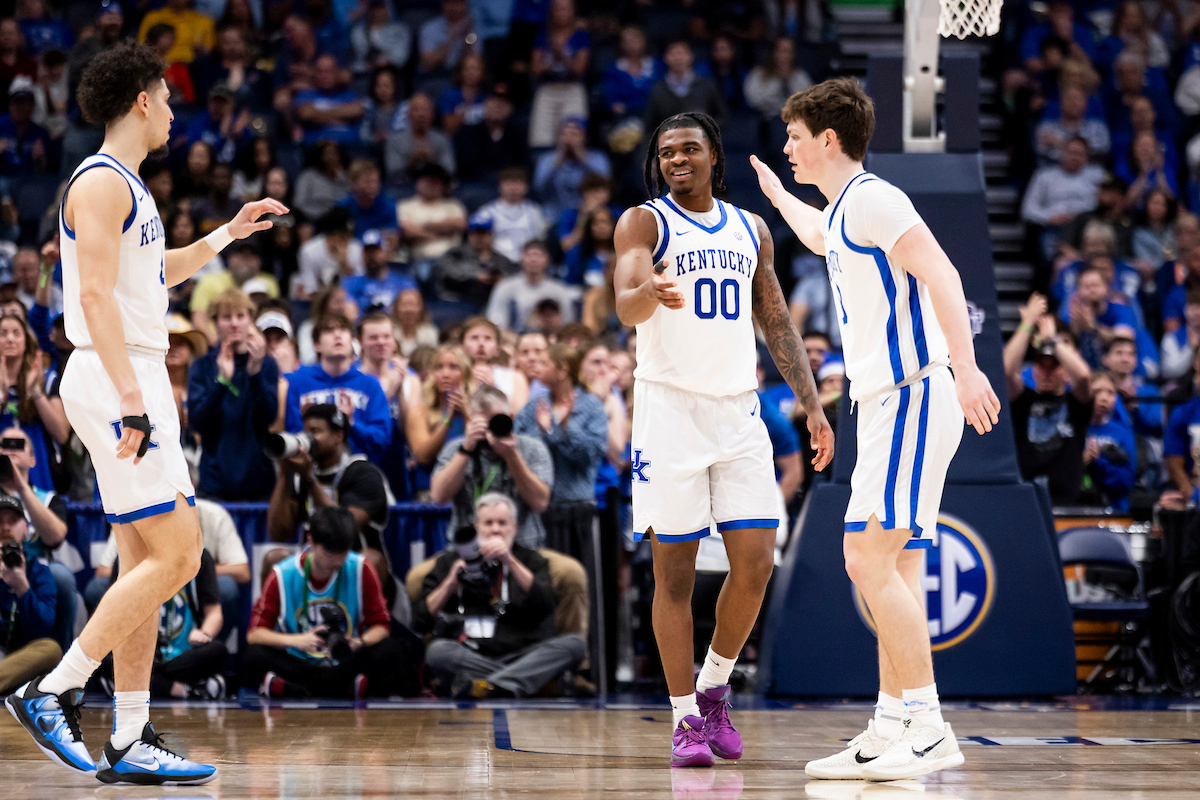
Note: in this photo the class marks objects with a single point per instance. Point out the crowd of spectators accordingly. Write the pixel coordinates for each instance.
(1103, 126)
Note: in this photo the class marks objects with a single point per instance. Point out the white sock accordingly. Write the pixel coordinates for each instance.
(683, 707)
(131, 712)
(890, 714)
(923, 707)
(715, 672)
(71, 673)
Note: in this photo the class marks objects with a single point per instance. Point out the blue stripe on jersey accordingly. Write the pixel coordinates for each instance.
(720, 223)
(666, 237)
(918, 544)
(845, 189)
(749, 230)
(918, 324)
(62, 209)
(889, 491)
(919, 458)
(889, 287)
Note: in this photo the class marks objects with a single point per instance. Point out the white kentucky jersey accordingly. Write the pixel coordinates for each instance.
(708, 345)
(141, 290)
(889, 330)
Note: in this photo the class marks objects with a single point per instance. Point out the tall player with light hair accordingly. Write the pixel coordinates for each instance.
(694, 274)
(904, 324)
(118, 398)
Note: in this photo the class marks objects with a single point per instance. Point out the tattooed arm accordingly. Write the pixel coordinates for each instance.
(786, 346)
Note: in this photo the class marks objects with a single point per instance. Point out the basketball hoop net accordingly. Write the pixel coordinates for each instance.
(963, 18)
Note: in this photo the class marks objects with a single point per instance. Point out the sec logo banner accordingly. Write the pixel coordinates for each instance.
(959, 579)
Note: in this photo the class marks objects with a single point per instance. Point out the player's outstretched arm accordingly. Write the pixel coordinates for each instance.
(786, 346)
(182, 262)
(803, 219)
(919, 254)
(639, 290)
(97, 217)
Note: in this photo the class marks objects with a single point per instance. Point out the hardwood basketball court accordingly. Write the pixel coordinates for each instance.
(1092, 748)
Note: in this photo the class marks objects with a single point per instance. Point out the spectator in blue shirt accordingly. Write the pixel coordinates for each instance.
(220, 126)
(1110, 454)
(1060, 23)
(1181, 441)
(43, 34)
(371, 208)
(462, 103)
(1121, 360)
(627, 81)
(445, 39)
(1094, 318)
(29, 598)
(558, 174)
(378, 287)
(335, 380)
(233, 399)
(24, 145)
(1130, 80)
(785, 448)
(328, 112)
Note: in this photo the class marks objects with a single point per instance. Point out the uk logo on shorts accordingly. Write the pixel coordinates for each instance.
(638, 467)
(959, 579)
(116, 426)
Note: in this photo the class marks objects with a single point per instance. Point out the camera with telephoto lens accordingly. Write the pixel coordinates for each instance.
(335, 638)
(475, 570)
(6, 469)
(12, 555)
(285, 445)
(501, 426)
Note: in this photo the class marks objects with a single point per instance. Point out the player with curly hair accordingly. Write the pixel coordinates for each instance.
(118, 398)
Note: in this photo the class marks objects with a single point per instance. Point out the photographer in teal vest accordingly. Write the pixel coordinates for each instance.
(320, 626)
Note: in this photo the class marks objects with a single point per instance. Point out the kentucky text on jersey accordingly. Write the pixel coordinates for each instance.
(152, 231)
(333, 396)
(711, 258)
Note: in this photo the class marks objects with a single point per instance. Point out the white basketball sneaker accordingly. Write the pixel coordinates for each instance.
(920, 750)
(848, 765)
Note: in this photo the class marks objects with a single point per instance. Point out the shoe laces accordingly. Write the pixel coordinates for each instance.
(718, 716)
(693, 735)
(72, 712)
(158, 743)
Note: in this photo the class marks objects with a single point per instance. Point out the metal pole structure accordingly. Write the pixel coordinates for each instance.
(921, 82)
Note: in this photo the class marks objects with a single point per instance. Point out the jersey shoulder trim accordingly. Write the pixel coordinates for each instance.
(665, 236)
(856, 180)
(62, 209)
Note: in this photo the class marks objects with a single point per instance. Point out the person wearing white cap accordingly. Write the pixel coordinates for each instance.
(244, 270)
(277, 329)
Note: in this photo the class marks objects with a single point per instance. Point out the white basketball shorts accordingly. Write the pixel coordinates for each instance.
(699, 459)
(93, 407)
(906, 440)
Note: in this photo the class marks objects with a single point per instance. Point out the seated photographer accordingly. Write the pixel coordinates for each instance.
(491, 458)
(29, 594)
(46, 515)
(189, 657)
(320, 626)
(316, 470)
(490, 607)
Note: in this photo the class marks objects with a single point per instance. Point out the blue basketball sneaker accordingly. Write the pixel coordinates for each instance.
(147, 763)
(53, 722)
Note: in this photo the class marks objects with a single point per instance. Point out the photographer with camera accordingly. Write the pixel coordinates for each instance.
(316, 471)
(233, 397)
(491, 458)
(28, 599)
(320, 626)
(490, 606)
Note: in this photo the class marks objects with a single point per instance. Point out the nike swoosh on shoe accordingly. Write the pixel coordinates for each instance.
(858, 756)
(926, 751)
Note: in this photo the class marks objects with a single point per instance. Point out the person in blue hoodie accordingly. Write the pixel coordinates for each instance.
(334, 379)
(1110, 454)
(233, 397)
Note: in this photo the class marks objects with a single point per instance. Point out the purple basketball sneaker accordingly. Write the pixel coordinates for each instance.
(722, 737)
(689, 747)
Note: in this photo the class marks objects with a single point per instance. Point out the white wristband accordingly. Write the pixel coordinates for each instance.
(219, 239)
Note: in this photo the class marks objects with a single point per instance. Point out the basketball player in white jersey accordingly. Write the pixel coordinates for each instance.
(903, 319)
(118, 398)
(701, 453)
